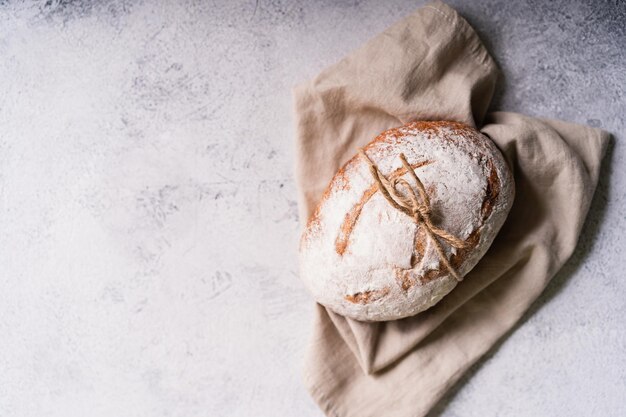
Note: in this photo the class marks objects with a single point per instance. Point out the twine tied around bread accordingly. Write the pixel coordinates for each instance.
(410, 205)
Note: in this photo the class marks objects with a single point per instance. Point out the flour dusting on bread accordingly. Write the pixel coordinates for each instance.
(366, 260)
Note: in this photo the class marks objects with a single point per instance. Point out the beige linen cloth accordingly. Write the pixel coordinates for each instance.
(432, 66)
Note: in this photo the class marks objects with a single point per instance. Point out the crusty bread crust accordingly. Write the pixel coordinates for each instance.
(364, 259)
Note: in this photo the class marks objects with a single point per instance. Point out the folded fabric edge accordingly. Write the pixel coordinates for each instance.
(451, 15)
(323, 402)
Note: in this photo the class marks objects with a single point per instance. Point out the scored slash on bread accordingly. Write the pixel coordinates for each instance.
(363, 259)
(341, 243)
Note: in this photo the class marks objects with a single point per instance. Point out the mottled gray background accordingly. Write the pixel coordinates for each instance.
(148, 224)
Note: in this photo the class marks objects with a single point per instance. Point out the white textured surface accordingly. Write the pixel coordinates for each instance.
(148, 228)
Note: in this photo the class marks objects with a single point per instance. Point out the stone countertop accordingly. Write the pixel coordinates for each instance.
(148, 222)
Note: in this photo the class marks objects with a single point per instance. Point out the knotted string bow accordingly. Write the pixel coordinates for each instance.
(412, 207)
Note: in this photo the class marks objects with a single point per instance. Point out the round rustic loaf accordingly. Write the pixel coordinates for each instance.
(365, 259)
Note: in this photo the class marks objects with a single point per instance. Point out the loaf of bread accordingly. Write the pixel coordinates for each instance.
(364, 257)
